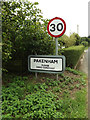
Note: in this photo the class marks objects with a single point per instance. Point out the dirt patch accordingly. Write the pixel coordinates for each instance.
(67, 73)
(41, 77)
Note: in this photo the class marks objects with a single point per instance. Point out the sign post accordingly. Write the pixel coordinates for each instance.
(45, 63)
(56, 40)
(56, 28)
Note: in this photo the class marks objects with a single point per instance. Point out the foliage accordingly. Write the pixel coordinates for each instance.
(73, 39)
(78, 39)
(64, 40)
(39, 104)
(7, 47)
(85, 39)
(49, 100)
(84, 43)
(24, 32)
(72, 55)
(76, 72)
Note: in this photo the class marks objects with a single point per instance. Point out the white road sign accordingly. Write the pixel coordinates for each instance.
(51, 64)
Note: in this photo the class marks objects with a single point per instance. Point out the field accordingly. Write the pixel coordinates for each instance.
(45, 97)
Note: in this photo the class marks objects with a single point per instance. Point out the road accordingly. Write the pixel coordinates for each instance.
(89, 83)
(83, 63)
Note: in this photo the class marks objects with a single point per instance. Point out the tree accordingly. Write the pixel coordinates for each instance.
(67, 41)
(78, 39)
(63, 40)
(23, 31)
(85, 43)
(73, 39)
(85, 39)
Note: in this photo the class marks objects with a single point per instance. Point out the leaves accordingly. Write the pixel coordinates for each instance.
(51, 99)
(25, 31)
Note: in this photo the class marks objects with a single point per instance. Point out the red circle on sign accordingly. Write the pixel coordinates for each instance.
(61, 32)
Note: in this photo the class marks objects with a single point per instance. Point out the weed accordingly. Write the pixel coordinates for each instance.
(66, 91)
(57, 89)
(22, 99)
(62, 85)
(62, 75)
(71, 87)
(77, 85)
(29, 87)
(61, 80)
(76, 72)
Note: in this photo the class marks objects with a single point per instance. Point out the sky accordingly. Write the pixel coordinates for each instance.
(73, 12)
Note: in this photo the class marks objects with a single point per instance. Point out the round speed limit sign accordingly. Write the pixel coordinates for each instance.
(56, 27)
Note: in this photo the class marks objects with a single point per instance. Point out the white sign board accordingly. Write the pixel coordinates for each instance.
(55, 64)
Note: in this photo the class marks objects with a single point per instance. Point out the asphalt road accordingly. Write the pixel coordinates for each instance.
(83, 63)
(89, 83)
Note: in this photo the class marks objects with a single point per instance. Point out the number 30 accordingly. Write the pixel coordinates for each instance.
(53, 27)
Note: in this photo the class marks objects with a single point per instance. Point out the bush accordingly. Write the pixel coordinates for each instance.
(72, 55)
(21, 36)
(85, 43)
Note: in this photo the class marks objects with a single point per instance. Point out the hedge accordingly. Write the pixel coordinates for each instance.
(72, 55)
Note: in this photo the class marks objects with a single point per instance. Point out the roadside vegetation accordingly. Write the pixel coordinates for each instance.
(24, 32)
(72, 54)
(45, 97)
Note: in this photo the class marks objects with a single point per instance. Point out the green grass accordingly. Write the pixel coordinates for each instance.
(23, 98)
(76, 72)
(75, 108)
(78, 104)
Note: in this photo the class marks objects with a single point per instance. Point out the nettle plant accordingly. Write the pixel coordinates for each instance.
(48, 100)
(36, 105)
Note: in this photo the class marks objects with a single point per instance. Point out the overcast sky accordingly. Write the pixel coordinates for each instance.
(74, 12)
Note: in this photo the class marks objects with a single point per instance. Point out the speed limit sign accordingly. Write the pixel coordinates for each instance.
(56, 27)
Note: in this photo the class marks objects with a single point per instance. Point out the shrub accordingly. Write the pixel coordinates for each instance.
(72, 55)
(22, 36)
(85, 43)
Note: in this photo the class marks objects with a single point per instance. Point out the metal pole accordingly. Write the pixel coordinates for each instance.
(36, 75)
(56, 46)
(56, 40)
(36, 72)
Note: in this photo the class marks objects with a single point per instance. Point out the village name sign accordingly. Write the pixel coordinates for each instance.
(46, 64)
